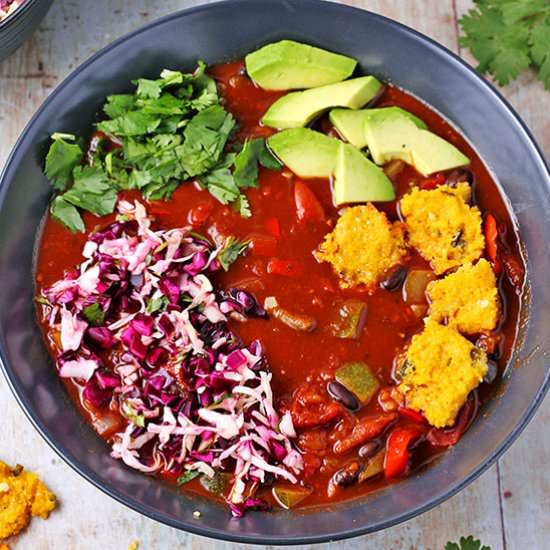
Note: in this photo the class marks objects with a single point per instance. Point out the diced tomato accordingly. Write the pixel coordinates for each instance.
(411, 414)
(308, 207)
(312, 463)
(285, 268)
(312, 407)
(445, 437)
(366, 429)
(490, 230)
(397, 450)
(273, 228)
(263, 245)
(200, 213)
(432, 182)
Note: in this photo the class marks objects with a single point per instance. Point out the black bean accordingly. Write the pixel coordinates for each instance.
(368, 450)
(347, 476)
(395, 279)
(339, 393)
(492, 372)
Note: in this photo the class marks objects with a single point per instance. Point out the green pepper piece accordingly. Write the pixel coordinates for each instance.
(358, 379)
(351, 319)
(289, 496)
(374, 467)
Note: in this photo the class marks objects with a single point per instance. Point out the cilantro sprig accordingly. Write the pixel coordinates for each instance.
(169, 130)
(509, 36)
(466, 543)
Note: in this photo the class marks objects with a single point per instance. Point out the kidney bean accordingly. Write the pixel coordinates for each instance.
(344, 477)
(395, 278)
(368, 450)
(338, 392)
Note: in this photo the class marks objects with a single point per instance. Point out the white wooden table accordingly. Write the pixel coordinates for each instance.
(507, 508)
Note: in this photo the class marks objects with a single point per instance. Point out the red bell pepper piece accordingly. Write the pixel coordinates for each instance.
(308, 207)
(490, 230)
(285, 268)
(273, 228)
(410, 414)
(432, 182)
(397, 450)
(445, 437)
(263, 245)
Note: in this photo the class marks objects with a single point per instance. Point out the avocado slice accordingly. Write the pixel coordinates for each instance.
(289, 65)
(297, 109)
(307, 153)
(357, 179)
(351, 124)
(392, 135)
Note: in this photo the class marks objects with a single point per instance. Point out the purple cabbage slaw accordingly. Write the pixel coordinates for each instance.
(143, 330)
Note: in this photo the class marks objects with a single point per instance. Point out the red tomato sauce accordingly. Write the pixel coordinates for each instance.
(283, 239)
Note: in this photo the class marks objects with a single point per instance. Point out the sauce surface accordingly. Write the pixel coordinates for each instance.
(299, 357)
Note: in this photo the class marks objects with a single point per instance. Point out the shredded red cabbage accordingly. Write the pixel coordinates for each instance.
(142, 329)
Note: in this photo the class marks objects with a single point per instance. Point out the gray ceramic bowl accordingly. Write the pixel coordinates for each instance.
(17, 27)
(225, 31)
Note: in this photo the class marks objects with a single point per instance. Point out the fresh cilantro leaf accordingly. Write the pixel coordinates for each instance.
(243, 206)
(61, 159)
(220, 182)
(187, 477)
(540, 49)
(133, 123)
(508, 36)
(231, 250)
(91, 191)
(466, 544)
(147, 88)
(205, 138)
(131, 414)
(253, 152)
(94, 314)
(118, 105)
(67, 214)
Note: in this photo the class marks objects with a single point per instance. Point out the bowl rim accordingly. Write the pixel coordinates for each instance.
(18, 13)
(220, 534)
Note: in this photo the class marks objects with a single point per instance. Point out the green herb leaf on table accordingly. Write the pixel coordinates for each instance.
(508, 36)
(61, 159)
(468, 543)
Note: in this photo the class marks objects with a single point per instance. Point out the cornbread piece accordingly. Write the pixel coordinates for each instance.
(442, 226)
(363, 246)
(467, 299)
(22, 495)
(440, 369)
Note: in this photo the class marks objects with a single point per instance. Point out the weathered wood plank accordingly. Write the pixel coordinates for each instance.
(87, 519)
(524, 483)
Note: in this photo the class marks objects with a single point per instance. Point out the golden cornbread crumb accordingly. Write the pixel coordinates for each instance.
(440, 369)
(23, 495)
(134, 545)
(466, 299)
(363, 246)
(442, 226)
(4, 547)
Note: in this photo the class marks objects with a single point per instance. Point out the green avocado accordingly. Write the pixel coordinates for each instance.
(307, 153)
(289, 65)
(310, 154)
(297, 109)
(392, 135)
(357, 179)
(351, 124)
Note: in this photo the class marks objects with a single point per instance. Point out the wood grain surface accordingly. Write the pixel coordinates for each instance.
(507, 508)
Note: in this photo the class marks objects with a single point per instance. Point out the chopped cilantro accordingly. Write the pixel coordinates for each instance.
(94, 314)
(170, 130)
(508, 36)
(131, 414)
(61, 160)
(468, 543)
(231, 250)
(67, 214)
(156, 304)
(187, 477)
